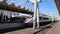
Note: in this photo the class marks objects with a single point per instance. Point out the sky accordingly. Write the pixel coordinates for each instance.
(46, 6)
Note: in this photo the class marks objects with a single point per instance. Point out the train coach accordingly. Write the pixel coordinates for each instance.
(43, 19)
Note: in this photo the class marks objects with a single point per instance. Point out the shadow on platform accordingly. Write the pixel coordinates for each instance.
(42, 29)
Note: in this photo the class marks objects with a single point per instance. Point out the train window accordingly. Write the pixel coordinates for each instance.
(43, 18)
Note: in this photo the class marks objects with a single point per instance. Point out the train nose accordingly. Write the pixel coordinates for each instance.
(27, 20)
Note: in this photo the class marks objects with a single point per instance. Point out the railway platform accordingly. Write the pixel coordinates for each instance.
(55, 29)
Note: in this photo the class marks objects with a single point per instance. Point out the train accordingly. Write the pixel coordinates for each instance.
(43, 19)
(22, 21)
(12, 22)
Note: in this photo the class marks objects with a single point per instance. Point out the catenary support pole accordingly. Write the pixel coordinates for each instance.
(34, 16)
(38, 17)
(52, 18)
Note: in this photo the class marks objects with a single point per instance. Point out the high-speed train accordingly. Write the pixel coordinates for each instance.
(29, 20)
(22, 21)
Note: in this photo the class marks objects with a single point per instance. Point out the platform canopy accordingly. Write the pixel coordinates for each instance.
(14, 8)
(58, 5)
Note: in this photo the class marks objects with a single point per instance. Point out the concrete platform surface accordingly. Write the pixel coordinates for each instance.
(55, 29)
